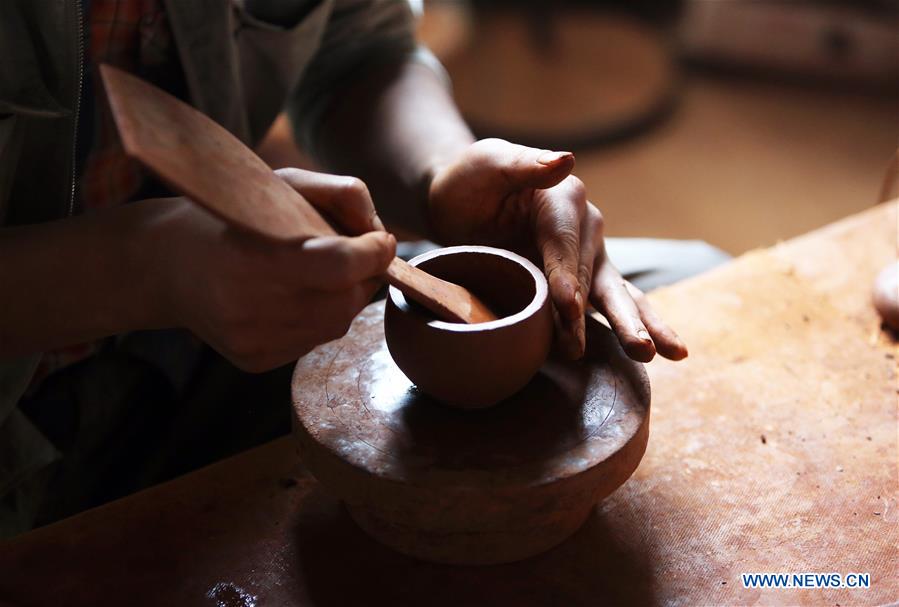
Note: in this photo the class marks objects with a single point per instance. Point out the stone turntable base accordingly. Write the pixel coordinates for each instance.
(470, 487)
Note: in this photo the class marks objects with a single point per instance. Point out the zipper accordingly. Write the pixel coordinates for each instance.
(80, 14)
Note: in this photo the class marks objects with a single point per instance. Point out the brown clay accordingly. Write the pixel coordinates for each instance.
(469, 487)
(474, 365)
(199, 158)
(886, 295)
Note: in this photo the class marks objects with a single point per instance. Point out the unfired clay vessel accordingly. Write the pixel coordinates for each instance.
(474, 365)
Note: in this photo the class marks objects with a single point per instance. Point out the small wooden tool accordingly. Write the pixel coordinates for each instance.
(197, 156)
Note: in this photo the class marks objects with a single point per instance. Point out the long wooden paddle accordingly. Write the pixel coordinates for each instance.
(198, 157)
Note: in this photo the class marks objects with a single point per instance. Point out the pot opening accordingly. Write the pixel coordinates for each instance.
(503, 284)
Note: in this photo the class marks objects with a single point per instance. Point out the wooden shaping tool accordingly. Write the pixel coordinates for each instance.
(198, 157)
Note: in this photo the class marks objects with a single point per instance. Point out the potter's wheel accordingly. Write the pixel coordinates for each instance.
(468, 486)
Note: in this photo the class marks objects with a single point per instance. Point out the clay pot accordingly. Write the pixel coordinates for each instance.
(477, 365)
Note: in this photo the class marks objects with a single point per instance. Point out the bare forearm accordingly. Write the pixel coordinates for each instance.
(406, 129)
(74, 280)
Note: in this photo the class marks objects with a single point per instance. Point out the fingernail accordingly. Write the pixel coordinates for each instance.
(377, 223)
(644, 335)
(551, 158)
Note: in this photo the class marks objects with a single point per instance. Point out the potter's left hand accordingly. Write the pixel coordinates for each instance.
(526, 199)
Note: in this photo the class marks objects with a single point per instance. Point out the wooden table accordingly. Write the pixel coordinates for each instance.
(772, 448)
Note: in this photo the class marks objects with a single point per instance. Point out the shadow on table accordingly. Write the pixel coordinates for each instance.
(343, 566)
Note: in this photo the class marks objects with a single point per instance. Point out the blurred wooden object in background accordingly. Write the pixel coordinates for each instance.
(559, 77)
(854, 43)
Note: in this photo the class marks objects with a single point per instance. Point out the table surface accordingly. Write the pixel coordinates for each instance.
(772, 448)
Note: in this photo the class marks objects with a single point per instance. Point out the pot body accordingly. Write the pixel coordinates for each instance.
(478, 365)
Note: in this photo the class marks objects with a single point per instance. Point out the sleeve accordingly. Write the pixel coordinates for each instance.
(360, 34)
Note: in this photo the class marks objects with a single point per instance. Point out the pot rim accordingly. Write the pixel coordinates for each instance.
(541, 290)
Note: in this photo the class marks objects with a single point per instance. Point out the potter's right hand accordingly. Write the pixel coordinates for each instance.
(260, 303)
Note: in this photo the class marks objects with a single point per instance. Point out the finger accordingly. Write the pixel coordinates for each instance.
(559, 213)
(573, 341)
(565, 340)
(525, 167)
(611, 298)
(345, 200)
(332, 263)
(667, 342)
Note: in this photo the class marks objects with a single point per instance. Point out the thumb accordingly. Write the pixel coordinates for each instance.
(535, 168)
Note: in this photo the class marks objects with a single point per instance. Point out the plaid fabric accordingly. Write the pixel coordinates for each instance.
(133, 35)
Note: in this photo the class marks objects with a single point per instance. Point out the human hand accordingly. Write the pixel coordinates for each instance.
(262, 303)
(526, 199)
